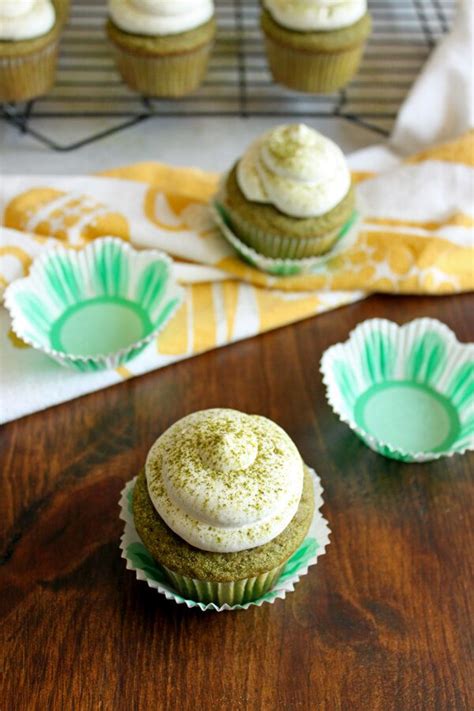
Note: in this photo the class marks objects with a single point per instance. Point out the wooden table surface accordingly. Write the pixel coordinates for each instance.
(384, 621)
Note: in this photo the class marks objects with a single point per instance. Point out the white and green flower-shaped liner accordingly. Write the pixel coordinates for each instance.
(94, 308)
(286, 267)
(406, 391)
(146, 568)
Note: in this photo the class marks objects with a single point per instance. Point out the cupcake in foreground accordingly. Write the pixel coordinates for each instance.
(162, 47)
(223, 502)
(290, 195)
(315, 45)
(29, 38)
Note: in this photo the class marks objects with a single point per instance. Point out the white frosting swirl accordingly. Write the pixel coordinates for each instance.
(25, 19)
(316, 15)
(296, 169)
(160, 17)
(225, 481)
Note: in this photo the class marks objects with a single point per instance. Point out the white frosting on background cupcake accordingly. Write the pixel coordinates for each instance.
(25, 19)
(225, 481)
(160, 17)
(296, 169)
(316, 15)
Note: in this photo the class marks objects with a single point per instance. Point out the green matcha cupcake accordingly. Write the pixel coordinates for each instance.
(290, 195)
(315, 45)
(62, 10)
(162, 47)
(29, 39)
(222, 504)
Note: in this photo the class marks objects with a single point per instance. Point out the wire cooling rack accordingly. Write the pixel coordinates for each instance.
(238, 82)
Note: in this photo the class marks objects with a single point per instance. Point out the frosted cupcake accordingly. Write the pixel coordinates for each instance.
(290, 195)
(62, 9)
(162, 47)
(29, 38)
(222, 504)
(315, 45)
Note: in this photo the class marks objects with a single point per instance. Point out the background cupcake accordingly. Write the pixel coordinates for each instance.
(290, 195)
(62, 9)
(223, 503)
(29, 38)
(162, 47)
(315, 45)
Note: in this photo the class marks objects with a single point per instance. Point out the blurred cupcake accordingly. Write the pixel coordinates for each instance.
(29, 38)
(222, 504)
(162, 47)
(62, 10)
(315, 45)
(290, 195)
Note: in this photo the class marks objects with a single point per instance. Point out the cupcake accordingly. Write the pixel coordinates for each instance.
(223, 502)
(290, 195)
(62, 10)
(162, 47)
(29, 38)
(315, 45)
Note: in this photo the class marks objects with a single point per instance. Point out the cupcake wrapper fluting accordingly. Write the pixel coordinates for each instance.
(24, 77)
(170, 75)
(312, 72)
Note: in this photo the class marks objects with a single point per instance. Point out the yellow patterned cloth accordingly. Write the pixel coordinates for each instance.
(416, 237)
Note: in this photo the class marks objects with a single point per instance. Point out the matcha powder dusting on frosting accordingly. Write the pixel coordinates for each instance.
(296, 169)
(225, 481)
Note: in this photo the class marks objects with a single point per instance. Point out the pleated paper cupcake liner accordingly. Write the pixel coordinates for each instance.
(287, 266)
(406, 391)
(94, 308)
(183, 590)
(170, 75)
(312, 72)
(24, 77)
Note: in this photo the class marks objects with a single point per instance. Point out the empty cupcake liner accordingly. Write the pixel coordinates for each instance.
(94, 308)
(281, 580)
(406, 391)
(286, 267)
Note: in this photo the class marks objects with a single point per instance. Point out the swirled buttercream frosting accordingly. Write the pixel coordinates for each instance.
(316, 15)
(25, 19)
(160, 17)
(225, 481)
(296, 169)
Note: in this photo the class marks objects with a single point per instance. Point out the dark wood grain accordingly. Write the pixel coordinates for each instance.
(382, 623)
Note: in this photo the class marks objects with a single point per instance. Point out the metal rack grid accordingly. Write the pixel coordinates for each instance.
(238, 82)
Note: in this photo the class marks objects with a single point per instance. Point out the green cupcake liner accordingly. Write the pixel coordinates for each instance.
(209, 596)
(27, 76)
(407, 392)
(312, 72)
(343, 239)
(157, 75)
(94, 308)
(237, 593)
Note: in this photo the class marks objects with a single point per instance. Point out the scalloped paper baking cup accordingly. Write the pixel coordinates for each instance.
(156, 576)
(406, 391)
(286, 267)
(94, 308)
